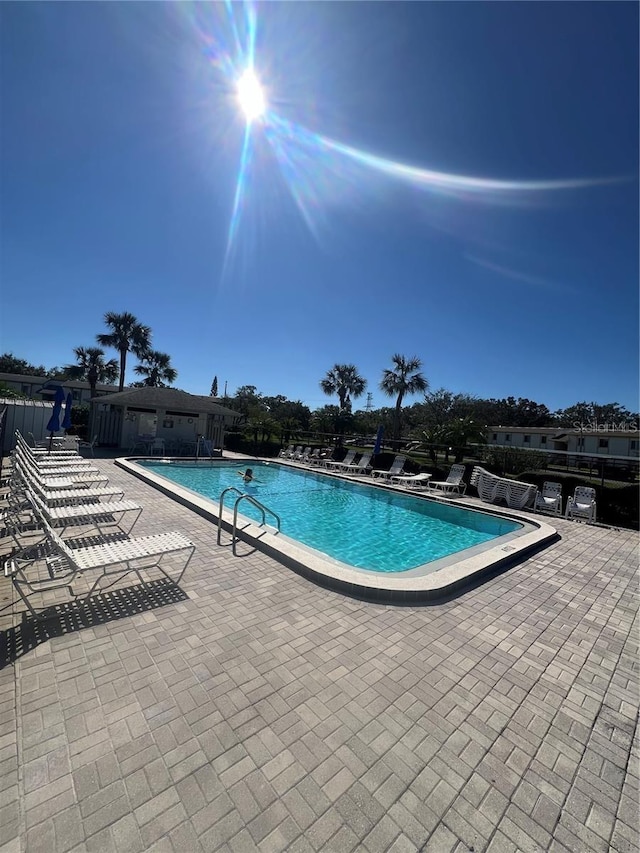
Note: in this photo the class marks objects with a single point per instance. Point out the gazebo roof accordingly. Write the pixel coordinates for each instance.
(168, 399)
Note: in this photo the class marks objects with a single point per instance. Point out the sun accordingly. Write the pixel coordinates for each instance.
(251, 96)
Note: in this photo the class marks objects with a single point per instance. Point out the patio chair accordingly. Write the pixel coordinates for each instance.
(453, 484)
(322, 457)
(114, 559)
(549, 499)
(42, 448)
(89, 444)
(362, 466)
(101, 516)
(156, 446)
(44, 462)
(285, 453)
(55, 467)
(332, 465)
(397, 467)
(412, 481)
(65, 495)
(582, 505)
(60, 478)
(302, 454)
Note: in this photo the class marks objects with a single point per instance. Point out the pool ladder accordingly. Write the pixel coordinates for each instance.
(243, 497)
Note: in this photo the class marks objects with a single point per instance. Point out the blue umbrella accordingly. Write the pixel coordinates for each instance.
(377, 446)
(66, 421)
(54, 420)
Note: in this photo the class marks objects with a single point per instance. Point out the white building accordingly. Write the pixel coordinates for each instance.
(44, 389)
(176, 417)
(618, 444)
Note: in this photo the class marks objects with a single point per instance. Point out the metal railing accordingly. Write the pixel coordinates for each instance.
(243, 496)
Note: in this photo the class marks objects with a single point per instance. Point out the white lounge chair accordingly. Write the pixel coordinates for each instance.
(332, 465)
(101, 516)
(413, 481)
(582, 504)
(59, 478)
(322, 458)
(453, 483)
(362, 466)
(111, 559)
(549, 499)
(65, 495)
(50, 467)
(396, 469)
(284, 454)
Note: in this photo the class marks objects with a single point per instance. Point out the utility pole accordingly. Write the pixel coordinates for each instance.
(225, 389)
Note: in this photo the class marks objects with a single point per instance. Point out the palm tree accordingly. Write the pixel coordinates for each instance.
(464, 431)
(345, 381)
(403, 380)
(156, 367)
(92, 367)
(127, 335)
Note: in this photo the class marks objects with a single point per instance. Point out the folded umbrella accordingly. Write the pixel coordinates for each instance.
(54, 420)
(66, 421)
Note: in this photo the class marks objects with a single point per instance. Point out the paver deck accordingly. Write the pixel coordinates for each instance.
(265, 713)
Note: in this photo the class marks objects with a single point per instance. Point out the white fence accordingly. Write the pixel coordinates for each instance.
(26, 416)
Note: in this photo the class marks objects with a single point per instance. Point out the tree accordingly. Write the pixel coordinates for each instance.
(10, 364)
(214, 387)
(345, 381)
(127, 335)
(92, 367)
(404, 379)
(462, 432)
(156, 368)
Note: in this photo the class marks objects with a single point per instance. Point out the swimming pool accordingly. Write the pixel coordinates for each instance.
(353, 536)
(363, 526)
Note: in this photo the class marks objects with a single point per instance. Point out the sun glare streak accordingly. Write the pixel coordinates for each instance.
(239, 193)
(320, 171)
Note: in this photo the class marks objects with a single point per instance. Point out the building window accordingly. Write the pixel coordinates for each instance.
(604, 443)
(75, 394)
(543, 439)
(634, 445)
(507, 436)
(495, 436)
(26, 389)
(527, 439)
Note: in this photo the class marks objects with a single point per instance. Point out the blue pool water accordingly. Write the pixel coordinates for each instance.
(360, 525)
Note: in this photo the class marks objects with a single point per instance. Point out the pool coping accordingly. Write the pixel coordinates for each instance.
(452, 577)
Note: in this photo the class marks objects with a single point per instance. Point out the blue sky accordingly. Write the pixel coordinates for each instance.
(121, 139)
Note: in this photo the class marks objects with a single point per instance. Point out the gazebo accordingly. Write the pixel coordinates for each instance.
(178, 418)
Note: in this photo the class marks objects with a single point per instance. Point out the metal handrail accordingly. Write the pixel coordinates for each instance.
(243, 496)
(263, 509)
(221, 505)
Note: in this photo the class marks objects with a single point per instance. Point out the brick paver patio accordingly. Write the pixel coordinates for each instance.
(266, 713)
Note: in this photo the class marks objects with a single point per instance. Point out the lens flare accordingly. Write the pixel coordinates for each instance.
(320, 171)
(251, 96)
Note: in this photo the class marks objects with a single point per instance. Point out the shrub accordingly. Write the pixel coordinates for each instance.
(512, 460)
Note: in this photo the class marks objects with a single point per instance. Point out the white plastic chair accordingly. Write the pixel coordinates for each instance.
(453, 483)
(549, 499)
(331, 465)
(89, 444)
(396, 469)
(582, 505)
